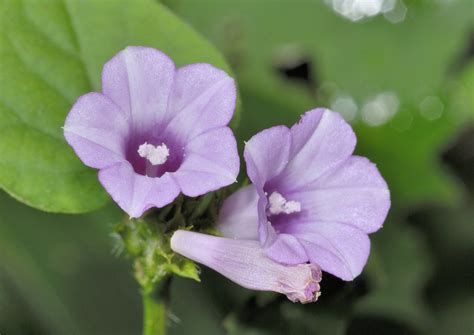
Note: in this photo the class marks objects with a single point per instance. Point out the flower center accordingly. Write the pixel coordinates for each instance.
(278, 205)
(156, 155)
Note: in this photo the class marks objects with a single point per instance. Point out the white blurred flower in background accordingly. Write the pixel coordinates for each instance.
(356, 10)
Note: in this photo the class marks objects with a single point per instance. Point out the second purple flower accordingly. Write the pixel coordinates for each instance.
(311, 200)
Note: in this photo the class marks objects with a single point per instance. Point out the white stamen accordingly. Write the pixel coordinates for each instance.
(156, 155)
(278, 205)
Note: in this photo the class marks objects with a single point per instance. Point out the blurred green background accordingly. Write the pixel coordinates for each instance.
(403, 75)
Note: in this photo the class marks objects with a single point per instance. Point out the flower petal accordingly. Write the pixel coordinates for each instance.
(238, 217)
(96, 128)
(139, 80)
(211, 162)
(285, 248)
(353, 192)
(135, 193)
(245, 263)
(266, 154)
(320, 140)
(338, 248)
(202, 98)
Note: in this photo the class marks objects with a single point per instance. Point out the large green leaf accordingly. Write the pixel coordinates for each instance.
(51, 52)
(412, 59)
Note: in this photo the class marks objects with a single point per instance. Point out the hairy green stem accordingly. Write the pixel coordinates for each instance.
(154, 308)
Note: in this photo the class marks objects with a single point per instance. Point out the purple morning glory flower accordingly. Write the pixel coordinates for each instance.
(311, 199)
(155, 130)
(245, 263)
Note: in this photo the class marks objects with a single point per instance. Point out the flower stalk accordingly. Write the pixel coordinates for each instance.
(147, 242)
(155, 304)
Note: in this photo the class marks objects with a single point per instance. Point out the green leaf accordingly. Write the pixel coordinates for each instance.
(185, 268)
(463, 93)
(51, 52)
(413, 59)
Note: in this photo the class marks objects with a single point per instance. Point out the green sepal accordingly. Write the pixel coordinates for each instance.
(147, 239)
